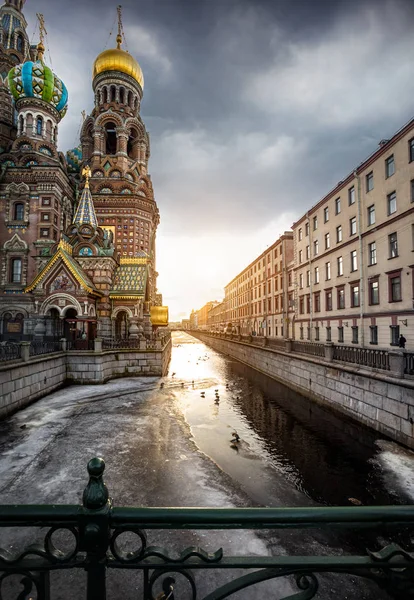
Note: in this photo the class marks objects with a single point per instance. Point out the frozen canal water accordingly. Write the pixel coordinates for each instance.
(170, 446)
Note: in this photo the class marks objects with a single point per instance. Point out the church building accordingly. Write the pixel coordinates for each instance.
(77, 231)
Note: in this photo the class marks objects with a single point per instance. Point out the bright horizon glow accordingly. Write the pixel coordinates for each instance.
(194, 269)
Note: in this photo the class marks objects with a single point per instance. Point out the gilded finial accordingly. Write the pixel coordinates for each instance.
(42, 32)
(119, 36)
(86, 172)
(83, 113)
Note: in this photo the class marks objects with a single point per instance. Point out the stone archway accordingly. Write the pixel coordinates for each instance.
(121, 324)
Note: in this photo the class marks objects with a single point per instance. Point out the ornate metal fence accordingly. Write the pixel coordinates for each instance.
(377, 359)
(9, 351)
(409, 363)
(98, 531)
(41, 347)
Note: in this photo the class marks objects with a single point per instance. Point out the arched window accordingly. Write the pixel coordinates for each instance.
(18, 213)
(112, 94)
(16, 270)
(122, 95)
(133, 145)
(20, 43)
(39, 125)
(111, 141)
(21, 123)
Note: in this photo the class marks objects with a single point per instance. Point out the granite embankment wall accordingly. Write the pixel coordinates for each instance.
(21, 383)
(381, 402)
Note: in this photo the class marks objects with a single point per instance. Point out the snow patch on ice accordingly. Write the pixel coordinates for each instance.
(397, 465)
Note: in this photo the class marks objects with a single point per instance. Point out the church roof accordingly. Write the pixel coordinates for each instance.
(130, 278)
(85, 213)
(64, 252)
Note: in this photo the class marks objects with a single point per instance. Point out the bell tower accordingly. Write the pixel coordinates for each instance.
(116, 146)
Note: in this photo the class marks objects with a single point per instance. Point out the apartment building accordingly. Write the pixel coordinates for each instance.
(216, 317)
(260, 299)
(353, 253)
(202, 314)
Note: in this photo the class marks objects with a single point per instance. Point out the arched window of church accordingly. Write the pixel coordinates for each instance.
(18, 211)
(122, 95)
(21, 123)
(16, 270)
(111, 140)
(133, 145)
(112, 93)
(39, 125)
(20, 43)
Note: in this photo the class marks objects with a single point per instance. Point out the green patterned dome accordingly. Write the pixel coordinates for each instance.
(36, 80)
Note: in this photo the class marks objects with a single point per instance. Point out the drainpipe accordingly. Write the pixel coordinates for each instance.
(361, 260)
(310, 278)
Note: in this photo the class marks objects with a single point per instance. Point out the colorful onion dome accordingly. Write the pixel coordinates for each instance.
(116, 59)
(36, 80)
(74, 159)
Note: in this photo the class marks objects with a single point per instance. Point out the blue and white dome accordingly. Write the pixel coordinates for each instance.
(36, 80)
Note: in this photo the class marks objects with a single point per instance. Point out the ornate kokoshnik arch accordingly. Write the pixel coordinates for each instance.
(119, 309)
(52, 303)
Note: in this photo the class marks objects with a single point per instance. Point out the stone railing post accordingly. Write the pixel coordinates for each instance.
(288, 345)
(329, 351)
(97, 345)
(265, 342)
(25, 351)
(142, 344)
(64, 344)
(396, 358)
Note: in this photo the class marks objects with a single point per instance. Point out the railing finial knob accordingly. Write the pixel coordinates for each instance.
(96, 494)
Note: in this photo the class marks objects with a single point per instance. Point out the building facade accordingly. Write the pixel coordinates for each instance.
(77, 233)
(354, 266)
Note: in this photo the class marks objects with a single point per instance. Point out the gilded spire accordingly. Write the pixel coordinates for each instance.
(42, 32)
(119, 36)
(85, 213)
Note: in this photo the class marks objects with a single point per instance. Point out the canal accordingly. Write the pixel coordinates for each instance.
(167, 442)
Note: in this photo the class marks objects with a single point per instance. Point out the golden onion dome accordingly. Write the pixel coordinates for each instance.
(116, 59)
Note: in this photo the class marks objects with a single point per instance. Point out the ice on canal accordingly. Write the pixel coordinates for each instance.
(166, 442)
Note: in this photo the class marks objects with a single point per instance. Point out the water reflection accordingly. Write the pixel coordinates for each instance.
(290, 439)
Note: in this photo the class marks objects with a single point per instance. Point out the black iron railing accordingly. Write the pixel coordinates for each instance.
(43, 347)
(99, 532)
(9, 351)
(367, 357)
(311, 348)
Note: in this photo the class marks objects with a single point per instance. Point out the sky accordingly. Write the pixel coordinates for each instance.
(255, 109)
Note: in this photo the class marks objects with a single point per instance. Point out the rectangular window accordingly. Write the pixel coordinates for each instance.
(301, 281)
(315, 223)
(352, 226)
(301, 332)
(301, 305)
(412, 190)
(389, 166)
(299, 237)
(395, 289)
(372, 253)
(371, 214)
(308, 332)
(340, 265)
(46, 201)
(45, 217)
(392, 203)
(307, 252)
(411, 150)
(308, 304)
(306, 229)
(354, 334)
(327, 241)
(373, 290)
(329, 334)
(337, 206)
(341, 298)
(44, 232)
(16, 270)
(328, 300)
(317, 301)
(316, 274)
(339, 234)
(326, 214)
(354, 295)
(340, 335)
(316, 333)
(395, 334)
(300, 256)
(307, 278)
(369, 179)
(354, 261)
(373, 335)
(351, 196)
(316, 248)
(327, 271)
(393, 245)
